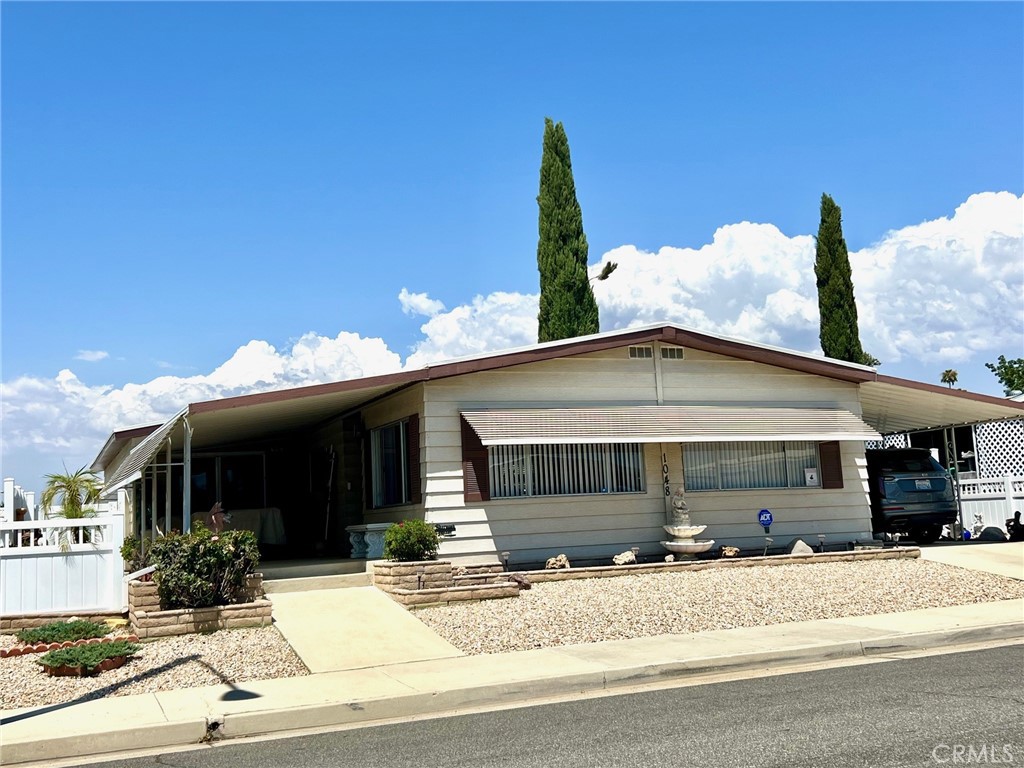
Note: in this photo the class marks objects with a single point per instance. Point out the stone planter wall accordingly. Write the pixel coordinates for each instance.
(433, 582)
(147, 620)
(415, 575)
(15, 623)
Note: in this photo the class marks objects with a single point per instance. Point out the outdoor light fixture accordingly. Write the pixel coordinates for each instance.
(767, 543)
(504, 559)
(821, 542)
(636, 554)
(419, 578)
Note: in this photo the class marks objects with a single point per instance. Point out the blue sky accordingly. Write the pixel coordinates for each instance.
(182, 181)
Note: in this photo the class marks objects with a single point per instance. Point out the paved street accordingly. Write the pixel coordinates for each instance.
(916, 712)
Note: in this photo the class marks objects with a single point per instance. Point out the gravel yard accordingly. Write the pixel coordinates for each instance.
(186, 661)
(590, 610)
(559, 613)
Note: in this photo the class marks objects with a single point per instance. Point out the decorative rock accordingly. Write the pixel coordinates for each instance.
(800, 547)
(559, 561)
(727, 551)
(520, 580)
(626, 558)
(670, 558)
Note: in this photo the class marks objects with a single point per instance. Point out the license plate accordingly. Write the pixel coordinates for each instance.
(923, 485)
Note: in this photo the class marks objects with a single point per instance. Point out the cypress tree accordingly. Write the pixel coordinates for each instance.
(567, 304)
(840, 336)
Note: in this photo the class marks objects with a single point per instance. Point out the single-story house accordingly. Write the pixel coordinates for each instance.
(571, 446)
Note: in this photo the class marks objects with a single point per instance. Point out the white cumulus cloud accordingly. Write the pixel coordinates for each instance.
(92, 355)
(419, 304)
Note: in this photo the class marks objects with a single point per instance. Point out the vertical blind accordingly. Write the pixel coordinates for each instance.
(732, 466)
(559, 470)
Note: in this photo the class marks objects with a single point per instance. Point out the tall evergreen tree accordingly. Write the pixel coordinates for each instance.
(840, 336)
(567, 304)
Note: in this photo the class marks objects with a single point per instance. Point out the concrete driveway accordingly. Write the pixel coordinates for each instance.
(1000, 558)
(352, 628)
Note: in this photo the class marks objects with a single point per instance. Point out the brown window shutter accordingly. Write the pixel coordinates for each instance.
(412, 458)
(831, 464)
(475, 478)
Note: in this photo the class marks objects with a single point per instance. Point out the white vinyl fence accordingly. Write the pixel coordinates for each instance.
(63, 566)
(993, 499)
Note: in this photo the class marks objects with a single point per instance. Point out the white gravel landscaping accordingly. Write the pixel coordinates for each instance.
(680, 602)
(556, 613)
(185, 661)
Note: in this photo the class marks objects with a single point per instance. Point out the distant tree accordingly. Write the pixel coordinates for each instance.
(840, 335)
(1010, 374)
(949, 377)
(567, 304)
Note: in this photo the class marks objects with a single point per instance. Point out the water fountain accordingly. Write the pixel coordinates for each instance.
(682, 532)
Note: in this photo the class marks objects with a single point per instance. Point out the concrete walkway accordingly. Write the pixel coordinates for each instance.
(449, 684)
(352, 628)
(1000, 558)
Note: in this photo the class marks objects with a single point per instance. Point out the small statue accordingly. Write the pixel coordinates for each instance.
(680, 514)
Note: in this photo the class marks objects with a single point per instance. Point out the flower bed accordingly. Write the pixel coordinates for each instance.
(147, 620)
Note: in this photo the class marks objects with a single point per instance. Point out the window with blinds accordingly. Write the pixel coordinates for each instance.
(750, 465)
(565, 470)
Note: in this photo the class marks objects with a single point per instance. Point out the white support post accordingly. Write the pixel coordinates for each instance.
(1008, 487)
(167, 490)
(186, 480)
(7, 510)
(152, 501)
(118, 587)
(30, 502)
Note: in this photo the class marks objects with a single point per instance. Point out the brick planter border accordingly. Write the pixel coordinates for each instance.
(25, 649)
(147, 620)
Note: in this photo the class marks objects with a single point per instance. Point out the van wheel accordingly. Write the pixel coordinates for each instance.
(926, 534)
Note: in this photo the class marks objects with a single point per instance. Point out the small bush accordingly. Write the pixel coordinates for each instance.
(410, 540)
(131, 553)
(88, 657)
(203, 569)
(63, 631)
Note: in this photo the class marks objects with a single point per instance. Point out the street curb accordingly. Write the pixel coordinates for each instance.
(282, 721)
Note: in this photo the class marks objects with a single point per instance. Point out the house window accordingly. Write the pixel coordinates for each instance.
(671, 353)
(641, 353)
(750, 465)
(518, 471)
(389, 470)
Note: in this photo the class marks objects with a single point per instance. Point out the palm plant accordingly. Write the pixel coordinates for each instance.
(949, 377)
(74, 491)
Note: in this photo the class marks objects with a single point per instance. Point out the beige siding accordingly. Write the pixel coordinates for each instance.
(599, 526)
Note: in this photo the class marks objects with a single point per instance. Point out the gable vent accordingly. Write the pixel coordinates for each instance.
(641, 353)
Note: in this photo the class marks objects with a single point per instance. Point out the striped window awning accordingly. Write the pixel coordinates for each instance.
(665, 424)
(131, 468)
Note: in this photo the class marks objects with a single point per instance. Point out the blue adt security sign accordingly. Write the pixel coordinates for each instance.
(764, 518)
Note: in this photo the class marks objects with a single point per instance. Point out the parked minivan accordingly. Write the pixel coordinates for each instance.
(910, 493)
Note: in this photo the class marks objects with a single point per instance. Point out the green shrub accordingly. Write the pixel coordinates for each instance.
(410, 540)
(88, 656)
(63, 631)
(131, 553)
(202, 569)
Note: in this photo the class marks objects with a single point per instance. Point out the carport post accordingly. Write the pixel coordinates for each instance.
(958, 526)
(186, 484)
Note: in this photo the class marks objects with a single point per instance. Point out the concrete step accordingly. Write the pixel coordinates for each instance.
(308, 583)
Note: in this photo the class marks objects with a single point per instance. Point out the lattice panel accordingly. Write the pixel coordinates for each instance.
(999, 446)
(887, 441)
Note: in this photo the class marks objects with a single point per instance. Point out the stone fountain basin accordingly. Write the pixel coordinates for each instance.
(684, 531)
(688, 547)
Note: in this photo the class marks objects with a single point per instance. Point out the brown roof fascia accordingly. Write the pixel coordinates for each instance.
(668, 334)
(348, 385)
(940, 390)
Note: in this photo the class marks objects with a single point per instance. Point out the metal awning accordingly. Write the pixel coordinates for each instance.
(131, 468)
(665, 424)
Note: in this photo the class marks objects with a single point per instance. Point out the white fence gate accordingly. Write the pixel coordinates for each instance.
(993, 499)
(64, 566)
